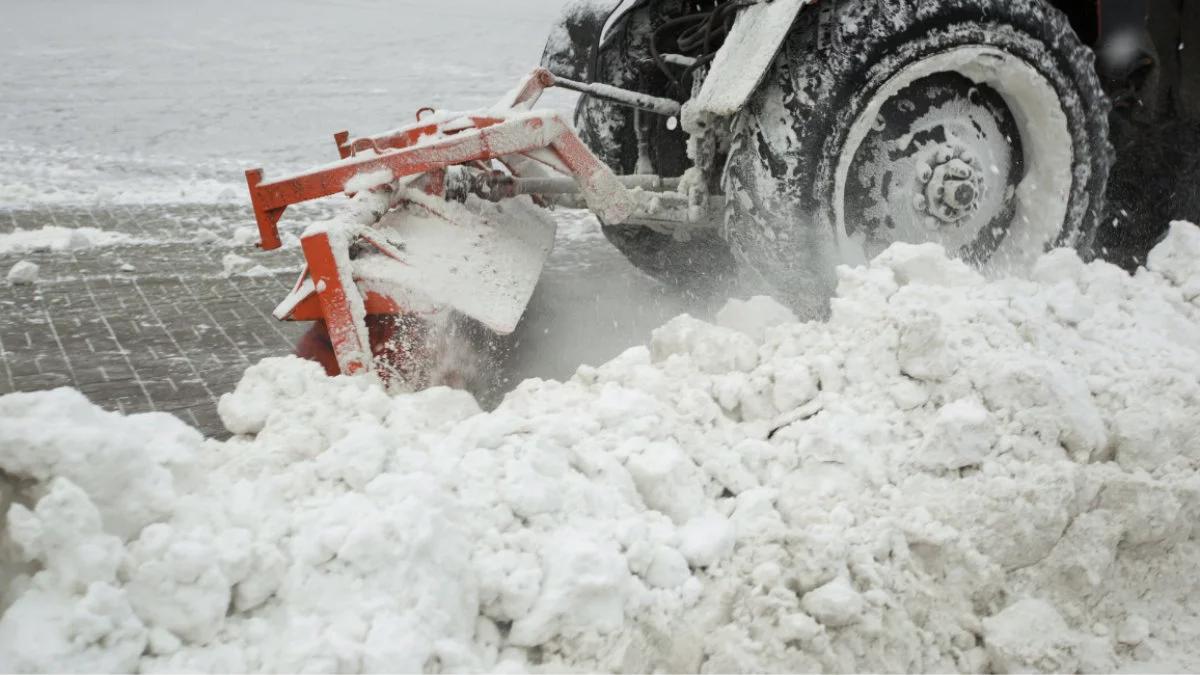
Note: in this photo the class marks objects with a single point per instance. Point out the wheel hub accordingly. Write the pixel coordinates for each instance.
(941, 163)
(950, 190)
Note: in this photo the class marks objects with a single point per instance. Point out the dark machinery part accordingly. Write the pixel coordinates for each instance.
(1148, 59)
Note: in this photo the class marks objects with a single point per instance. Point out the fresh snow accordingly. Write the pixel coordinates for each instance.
(950, 474)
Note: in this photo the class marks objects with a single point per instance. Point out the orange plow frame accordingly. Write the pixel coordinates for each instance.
(524, 142)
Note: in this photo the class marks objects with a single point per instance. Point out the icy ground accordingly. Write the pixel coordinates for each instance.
(951, 474)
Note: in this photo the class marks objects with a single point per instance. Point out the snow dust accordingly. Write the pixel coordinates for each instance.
(951, 474)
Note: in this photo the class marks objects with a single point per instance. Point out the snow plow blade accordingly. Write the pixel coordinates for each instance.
(431, 255)
(442, 220)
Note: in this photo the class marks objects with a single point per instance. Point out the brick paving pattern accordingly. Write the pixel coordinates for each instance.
(172, 335)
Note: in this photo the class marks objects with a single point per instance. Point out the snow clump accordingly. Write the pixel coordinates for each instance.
(951, 474)
(23, 273)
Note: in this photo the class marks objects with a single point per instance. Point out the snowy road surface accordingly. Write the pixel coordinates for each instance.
(139, 118)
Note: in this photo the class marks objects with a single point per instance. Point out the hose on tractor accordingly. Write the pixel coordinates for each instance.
(698, 35)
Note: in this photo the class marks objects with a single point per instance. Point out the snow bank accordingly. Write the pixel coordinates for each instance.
(951, 474)
(55, 238)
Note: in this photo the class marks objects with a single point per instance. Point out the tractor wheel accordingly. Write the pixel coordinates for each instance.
(976, 124)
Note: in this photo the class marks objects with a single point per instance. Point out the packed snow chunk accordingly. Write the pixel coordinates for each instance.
(835, 604)
(793, 385)
(176, 583)
(64, 534)
(923, 352)
(1178, 257)
(712, 348)
(1031, 636)
(585, 589)
(961, 435)
(127, 466)
(59, 239)
(23, 273)
(668, 568)
(668, 481)
(754, 316)
(1057, 266)
(706, 540)
(926, 264)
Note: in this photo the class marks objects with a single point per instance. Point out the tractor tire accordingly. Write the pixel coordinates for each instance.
(977, 124)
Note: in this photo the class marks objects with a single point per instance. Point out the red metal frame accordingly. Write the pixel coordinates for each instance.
(426, 148)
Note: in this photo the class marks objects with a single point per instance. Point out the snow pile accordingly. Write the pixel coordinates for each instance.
(23, 273)
(56, 238)
(951, 474)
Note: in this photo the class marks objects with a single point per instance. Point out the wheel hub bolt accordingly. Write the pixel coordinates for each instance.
(960, 194)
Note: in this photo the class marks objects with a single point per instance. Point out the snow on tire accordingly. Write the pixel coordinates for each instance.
(977, 124)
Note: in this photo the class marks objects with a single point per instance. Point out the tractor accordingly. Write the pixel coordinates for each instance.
(771, 138)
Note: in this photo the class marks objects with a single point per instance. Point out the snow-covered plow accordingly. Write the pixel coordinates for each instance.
(425, 235)
(779, 137)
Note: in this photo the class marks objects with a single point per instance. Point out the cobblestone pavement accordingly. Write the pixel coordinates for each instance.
(148, 325)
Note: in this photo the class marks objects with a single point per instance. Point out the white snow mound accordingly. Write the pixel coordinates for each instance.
(951, 474)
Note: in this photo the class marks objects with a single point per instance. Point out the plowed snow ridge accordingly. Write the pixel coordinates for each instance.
(950, 474)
